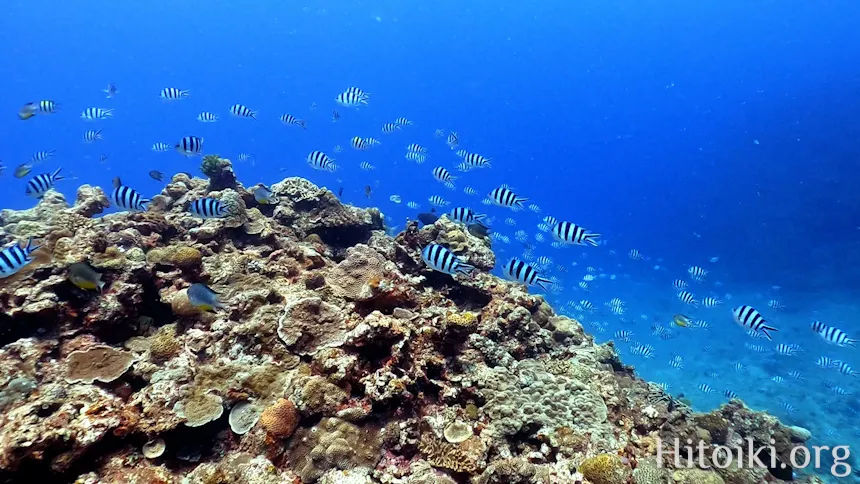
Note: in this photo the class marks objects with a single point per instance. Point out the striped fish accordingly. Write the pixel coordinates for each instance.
(358, 143)
(570, 233)
(504, 197)
(586, 305)
(438, 201)
(453, 140)
(96, 113)
(160, 147)
(174, 93)
(711, 302)
(416, 148)
(40, 184)
(833, 336)
(289, 119)
(92, 135)
(705, 388)
(402, 122)
(390, 127)
(730, 394)
(845, 369)
(207, 208)
(787, 349)
(127, 198)
(207, 117)
(189, 146)
(358, 92)
(751, 319)
(371, 142)
(351, 99)
(41, 156)
(242, 111)
(416, 157)
(635, 254)
(646, 351)
(15, 257)
(467, 216)
(623, 335)
(440, 259)
(520, 271)
(366, 166)
(320, 161)
(679, 284)
(48, 107)
(775, 305)
(474, 160)
(335, 116)
(697, 273)
(444, 176)
(688, 298)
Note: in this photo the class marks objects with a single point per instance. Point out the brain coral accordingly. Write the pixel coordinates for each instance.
(175, 255)
(605, 469)
(333, 444)
(165, 345)
(530, 395)
(101, 363)
(281, 419)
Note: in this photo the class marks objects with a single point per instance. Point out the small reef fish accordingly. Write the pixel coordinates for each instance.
(171, 93)
(263, 195)
(635, 254)
(22, 170)
(156, 175)
(832, 335)
(520, 271)
(416, 157)
(474, 160)
(27, 111)
(207, 117)
(467, 216)
(15, 257)
(358, 143)
(320, 161)
(428, 218)
(504, 197)
(85, 277)
(207, 208)
(710, 302)
(41, 156)
(570, 233)
(440, 259)
(189, 146)
(91, 114)
(335, 116)
(110, 90)
(444, 176)
(243, 111)
(92, 135)
(453, 140)
(127, 198)
(688, 298)
(160, 147)
(751, 319)
(48, 107)
(697, 273)
(203, 298)
(245, 157)
(402, 122)
(416, 148)
(368, 191)
(290, 119)
(478, 230)
(681, 320)
(40, 184)
(390, 127)
(351, 99)
(366, 166)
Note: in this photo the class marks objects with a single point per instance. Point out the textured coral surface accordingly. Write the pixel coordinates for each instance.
(338, 357)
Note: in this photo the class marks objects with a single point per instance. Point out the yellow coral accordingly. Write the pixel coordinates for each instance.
(175, 255)
(605, 469)
(164, 344)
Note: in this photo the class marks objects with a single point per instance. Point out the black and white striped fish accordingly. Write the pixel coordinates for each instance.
(243, 111)
(697, 273)
(358, 143)
(41, 156)
(48, 107)
(290, 119)
(570, 233)
(688, 298)
(467, 216)
(504, 197)
(40, 184)
(520, 271)
(351, 99)
(827, 362)
(320, 161)
(207, 208)
(797, 375)
(127, 198)
(787, 349)
(749, 318)
(444, 176)
(635, 254)
(390, 127)
(366, 166)
(439, 258)
(623, 335)
(416, 157)
(730, 394)
(416, 148)
(207, 117)
(705, 388)
(832, 335)
(585, 305)
(711, 302)
(550, 221)
(474, 160)
(15, 257)
(160, 147)
(189, 146)
(92, 135)
(401, 121)
(679, 284)
(845, 369)
(775, 305)
(644, 350)
(677, 362)
(172, 93)
(438, 201)
(96, 113)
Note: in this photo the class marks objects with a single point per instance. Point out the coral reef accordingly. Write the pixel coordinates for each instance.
(340, 357)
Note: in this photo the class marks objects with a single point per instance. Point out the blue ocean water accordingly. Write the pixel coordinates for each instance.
(684, 130)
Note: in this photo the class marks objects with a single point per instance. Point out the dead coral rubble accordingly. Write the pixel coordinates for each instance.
(339, 356)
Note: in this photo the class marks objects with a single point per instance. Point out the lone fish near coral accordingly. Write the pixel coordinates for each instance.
(203, 297)
(85, 277)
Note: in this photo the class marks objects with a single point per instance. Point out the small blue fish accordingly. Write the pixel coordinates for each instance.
(203, 298)
(15, 257)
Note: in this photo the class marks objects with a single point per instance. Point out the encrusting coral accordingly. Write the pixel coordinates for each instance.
(340, 356)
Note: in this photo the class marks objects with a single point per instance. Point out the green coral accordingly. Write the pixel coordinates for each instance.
(211, 165)
(605, 469)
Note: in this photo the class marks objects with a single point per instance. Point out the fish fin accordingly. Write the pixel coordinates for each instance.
(30, 247)
(56, 175)
(116, 182)
(590, 239)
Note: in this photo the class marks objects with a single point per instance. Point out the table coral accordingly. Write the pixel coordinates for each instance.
(101, 363)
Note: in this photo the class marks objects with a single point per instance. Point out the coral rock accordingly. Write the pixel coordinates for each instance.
(101, 363)
(281, 419)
